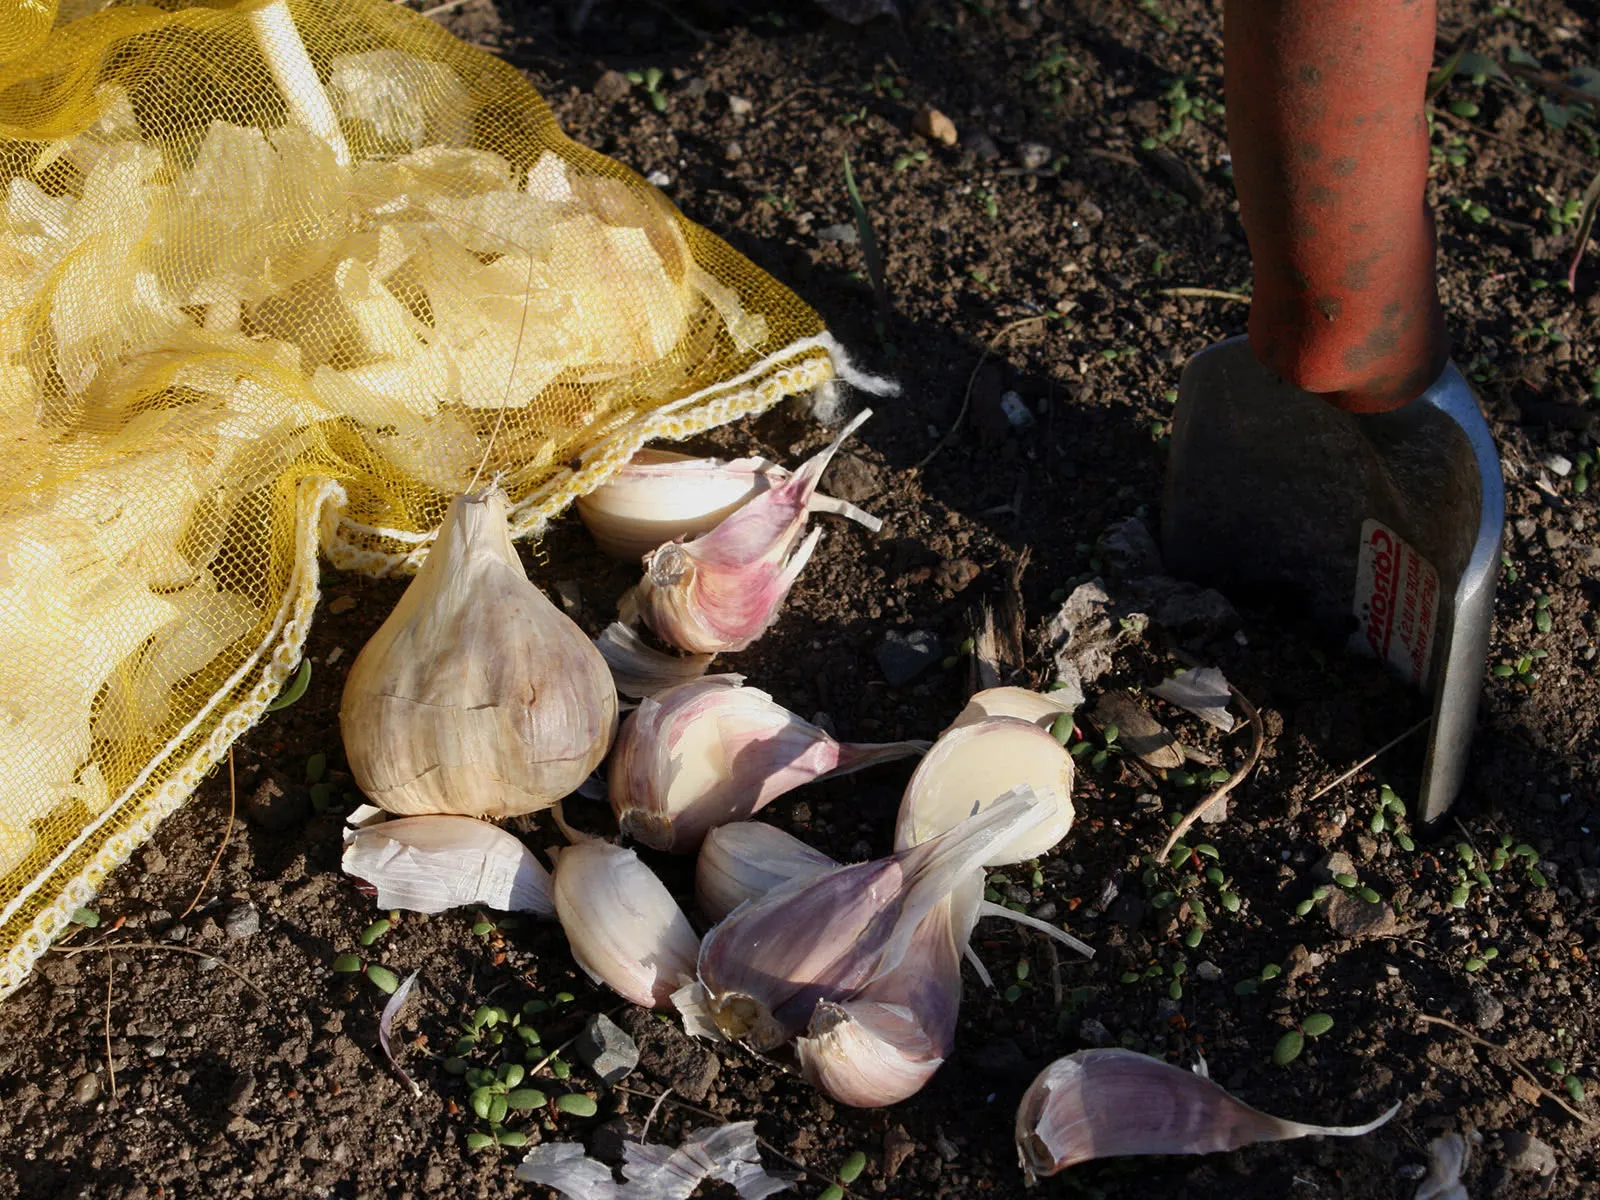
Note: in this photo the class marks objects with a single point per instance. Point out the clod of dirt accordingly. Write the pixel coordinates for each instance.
(1352, 917)
(1031, 156)
(242, 922)
(935, 126)
(851, 478)
(606, 1049)
(86, 1088)
(1084, 633)
(670, 1056)
(897, 1147)
(981, 145)
(612, 87)
(1483, 1007)
(277, 810)
(1127, 550)
(1336, 863)
(1589, 883)
(904, 656)
(1527, 1154)
(240, 1093)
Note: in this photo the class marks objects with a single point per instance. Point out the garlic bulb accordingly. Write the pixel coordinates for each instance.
(1041, 708)
(625, 929)
(710, 752)
(828, 936)
(477, 696)
(746, 860)
(970, 765)
(1099, 1103)
(432, 863)
(659, 496)
(720, 591)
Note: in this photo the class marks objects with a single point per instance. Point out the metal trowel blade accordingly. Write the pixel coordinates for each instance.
(1388, 525)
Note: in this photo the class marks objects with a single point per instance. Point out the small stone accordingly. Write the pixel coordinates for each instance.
(696, 87)
(904, 656)
(1352, 917)
(606, 1049)
(277, 810)
(1031, 156)
(1559, 463)
(983, 146)
(1337, 863)
(1526, 527)
(897, 1147)
(341, 604)
(1556, 539)
(240, 1092)
(86, 1087)
(1128, 550)
(1484, 1007)
(156, 1049)
(1044, 912)
(1412, 1172)
(1527, 1154)
(845, 235)
(1127, 910)
(1208, 971)
(658, 179)
(1090, 212)
(612, 87)
(935, 126)
(1589, 883)
(1094, 1032)
(242, 922)
(1015, 410)
(733, 151)
(570, 595)
(739, 106)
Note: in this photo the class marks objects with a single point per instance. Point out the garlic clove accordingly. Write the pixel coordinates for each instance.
(970, 765)
(1041, 708)
(710, 752)
(720, 591)
(659, 496)
(826, 937)
(476, 696)
(1100, 1103)
(638, 669)
(625, 929)
(746, 860)
(432, 863)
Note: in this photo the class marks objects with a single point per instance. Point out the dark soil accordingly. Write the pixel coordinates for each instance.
(1051, 204)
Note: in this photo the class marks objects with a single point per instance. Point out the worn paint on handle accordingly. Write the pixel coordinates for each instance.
(1330, 159)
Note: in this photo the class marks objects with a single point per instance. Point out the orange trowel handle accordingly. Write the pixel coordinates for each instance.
(1330, 160)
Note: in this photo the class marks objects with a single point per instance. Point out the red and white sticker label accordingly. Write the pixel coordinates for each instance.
(1397, 603)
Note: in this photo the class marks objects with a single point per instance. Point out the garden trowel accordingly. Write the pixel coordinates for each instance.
(1335, 453)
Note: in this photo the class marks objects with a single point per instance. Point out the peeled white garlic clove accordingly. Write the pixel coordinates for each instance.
(1100, 1103)
(712, 751)
(625, 929)
(660, 497)
(828, 936)
(720, 591)
(638, 669)
(970, 766)
(432, 863)
(477, 696)
(1041, 708)
(746, 860)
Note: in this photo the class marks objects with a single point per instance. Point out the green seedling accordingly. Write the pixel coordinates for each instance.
(1248, 987)
(914, 158)
(1293, 1042)
(296, 689)
(850, 1169)
(650, 80)
(86, 917)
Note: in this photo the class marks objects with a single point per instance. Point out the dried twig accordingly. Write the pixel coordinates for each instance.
(113, 947)
(711, 1116)
(227, 832)
(1515, 1065)
(966, 399)
(1365, 762)
(111, 1070)
(1258, 739)
(1204, 293)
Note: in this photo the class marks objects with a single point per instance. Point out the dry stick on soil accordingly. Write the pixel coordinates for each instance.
(1258, 739)
(111, 1070)
(1367, 761)
(113, 947)
(966, 399)
(1515, 1065)
(711, 1116)
(1203, 293)
(227, 832)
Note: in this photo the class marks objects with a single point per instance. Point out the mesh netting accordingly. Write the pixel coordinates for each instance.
(270, 277)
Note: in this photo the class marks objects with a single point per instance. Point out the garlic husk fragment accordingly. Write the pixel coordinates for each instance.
(1100, 1103)
(746, 860)
(970, 766)
(828, 936)
(1040, 708)
(625, 929)
(477, 696)
(638, 669)
(882, 1045)
(720, 591)
(659, 496)
(710, 752)
(429, 864)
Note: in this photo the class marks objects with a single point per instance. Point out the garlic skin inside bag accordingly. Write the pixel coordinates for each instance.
(826, 937)
(477, 696)
(713, 751)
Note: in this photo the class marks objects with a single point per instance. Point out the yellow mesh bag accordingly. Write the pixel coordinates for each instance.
(270, 277)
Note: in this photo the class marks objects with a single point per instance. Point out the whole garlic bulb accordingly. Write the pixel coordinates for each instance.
(477, 696)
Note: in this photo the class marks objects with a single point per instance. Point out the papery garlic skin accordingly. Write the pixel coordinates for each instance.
(638, 669)
(477, 696)
(625, 929)
(433, 863)
(746, 860)
(970, 766)
(711, 752)
(1100, 1103)
(1041, 708)
(828, 936)
(722, 590)
(660, 496)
